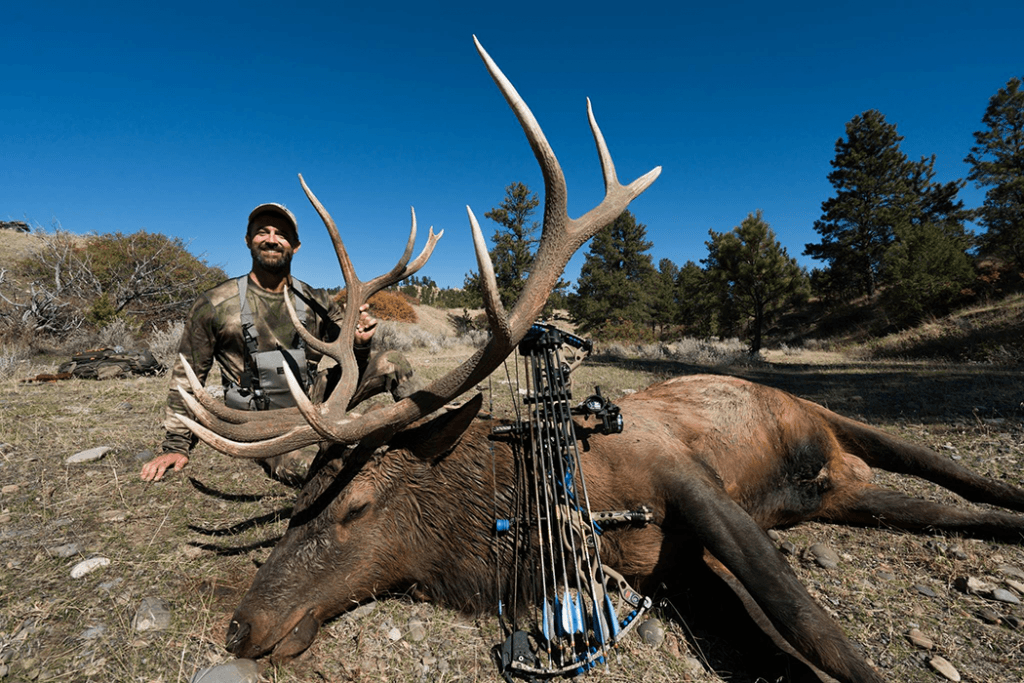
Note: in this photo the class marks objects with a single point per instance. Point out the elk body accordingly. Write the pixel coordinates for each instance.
(401, 501)
(718, 459)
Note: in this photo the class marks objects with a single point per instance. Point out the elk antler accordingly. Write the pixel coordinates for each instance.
(254, 435)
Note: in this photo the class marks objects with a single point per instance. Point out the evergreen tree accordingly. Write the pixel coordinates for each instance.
(665, 299)
(873, 183)
(752, 273)
(615, 280)
(997, 162)
(512, 253)
(697, 311)
(927, 265)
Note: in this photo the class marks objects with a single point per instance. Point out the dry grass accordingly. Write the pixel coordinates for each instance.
(198, 547)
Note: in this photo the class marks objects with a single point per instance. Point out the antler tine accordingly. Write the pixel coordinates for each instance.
(208, 402)
(295, 438)
(254, 430)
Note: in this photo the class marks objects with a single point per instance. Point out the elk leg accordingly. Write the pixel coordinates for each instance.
(885, 451)
(699, 504)
(873, 506)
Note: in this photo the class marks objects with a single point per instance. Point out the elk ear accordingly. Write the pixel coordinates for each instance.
(433, 438)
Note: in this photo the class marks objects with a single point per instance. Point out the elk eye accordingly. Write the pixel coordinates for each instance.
(355, 512)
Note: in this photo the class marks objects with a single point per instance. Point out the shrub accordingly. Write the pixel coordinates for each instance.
(386, 305)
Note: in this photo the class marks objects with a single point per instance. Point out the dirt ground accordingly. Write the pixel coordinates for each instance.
(195, 542)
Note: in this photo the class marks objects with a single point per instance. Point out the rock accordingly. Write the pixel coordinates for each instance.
(113, 516)
(86, 566)
(920, 640)
(417, 631)
(824, 556)
(153, 614)
(1015, 585)
(237, 671)
(145, 456)
(89, 455)
(944, 668)
(1013, 621)
(1003, 595)
(787, 548)
(1011, 571)
(652, 631)
(972, 585)
(394, 635)
(925, 590)
(66, 550)
(92, 633)
(774, 535)
(9, 489)
(361, 611)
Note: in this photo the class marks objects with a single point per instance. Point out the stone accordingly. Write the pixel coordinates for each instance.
(824, 556)
(787, 548)
(925, 590)
(417, 631)
(944, 668)
(920, 640)
(86, 566)
(92, 633)
(972, 585)
(361, 611)
(1003, 595)
(153, 614)
(65, 551)
(236, 671)
(9, 489)
(652, 631)
(1011, 571)
(145, 456)
(89, 455)
(394, 635)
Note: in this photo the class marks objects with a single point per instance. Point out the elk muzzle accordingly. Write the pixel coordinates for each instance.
(244, 642)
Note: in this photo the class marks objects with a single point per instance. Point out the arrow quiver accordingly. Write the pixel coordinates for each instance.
(564, 608)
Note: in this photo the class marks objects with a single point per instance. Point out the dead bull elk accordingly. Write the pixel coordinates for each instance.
(719, 461)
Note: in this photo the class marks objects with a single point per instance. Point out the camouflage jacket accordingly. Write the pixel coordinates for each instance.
(213, 332)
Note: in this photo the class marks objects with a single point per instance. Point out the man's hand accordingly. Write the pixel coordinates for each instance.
(155, 468)
(366, 326)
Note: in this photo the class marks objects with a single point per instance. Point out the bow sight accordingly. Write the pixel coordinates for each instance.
(576, 608)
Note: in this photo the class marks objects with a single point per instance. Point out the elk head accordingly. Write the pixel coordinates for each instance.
(325, 571)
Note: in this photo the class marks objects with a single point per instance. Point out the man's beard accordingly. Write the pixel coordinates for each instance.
(272, 260)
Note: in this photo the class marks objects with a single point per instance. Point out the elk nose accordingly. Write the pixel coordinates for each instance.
(237, 634)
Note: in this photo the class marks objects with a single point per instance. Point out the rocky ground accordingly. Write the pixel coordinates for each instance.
(171, 560)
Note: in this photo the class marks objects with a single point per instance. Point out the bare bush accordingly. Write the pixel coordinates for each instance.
(11, 358)
(693, 351)
(164, 342)
(405, 338)
(73, 282)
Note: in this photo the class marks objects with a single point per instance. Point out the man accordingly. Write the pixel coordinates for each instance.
(244, 318)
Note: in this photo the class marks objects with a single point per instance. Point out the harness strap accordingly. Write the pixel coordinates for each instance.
(248, 321)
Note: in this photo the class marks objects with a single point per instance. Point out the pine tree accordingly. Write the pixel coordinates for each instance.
(615, 280)
(697, 311)
(514, 241)
(752, 274)
(665, 299)
(997, 162)
(872, 179)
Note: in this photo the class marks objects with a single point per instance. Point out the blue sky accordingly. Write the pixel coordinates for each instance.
(179, 118)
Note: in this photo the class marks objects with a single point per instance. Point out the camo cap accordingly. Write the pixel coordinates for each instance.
(278, 209)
